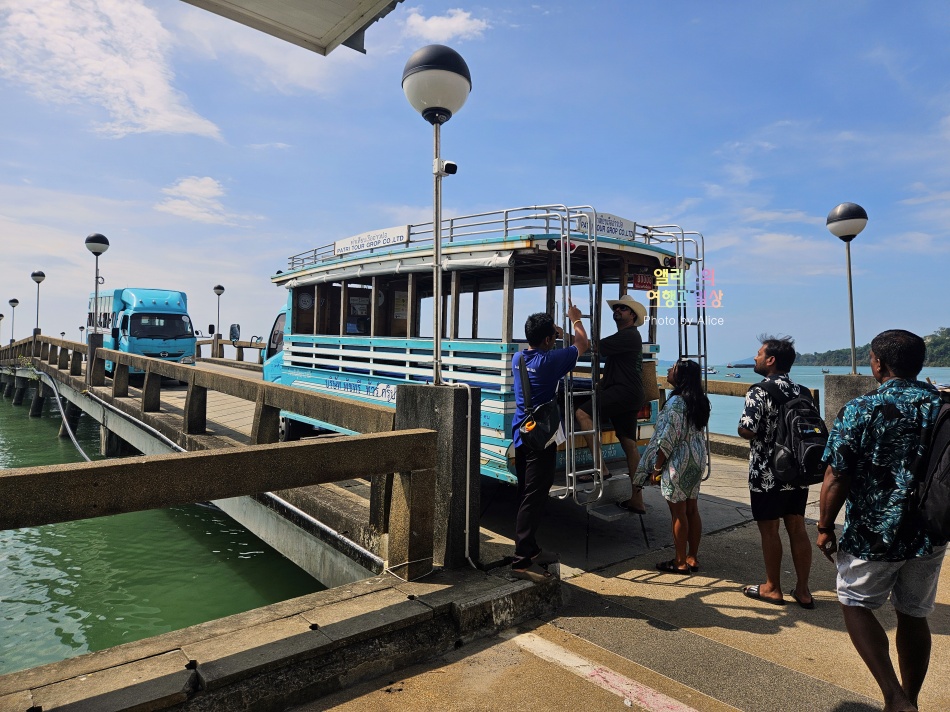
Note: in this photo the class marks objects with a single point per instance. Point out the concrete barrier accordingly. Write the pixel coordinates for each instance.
(32, 496)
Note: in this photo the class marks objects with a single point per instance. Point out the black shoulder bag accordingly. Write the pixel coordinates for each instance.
(540, 427)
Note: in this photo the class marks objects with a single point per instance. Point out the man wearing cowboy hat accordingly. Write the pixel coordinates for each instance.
(620, 391)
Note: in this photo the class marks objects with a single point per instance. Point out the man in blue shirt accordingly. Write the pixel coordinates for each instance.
(546, 366)
(884, 552)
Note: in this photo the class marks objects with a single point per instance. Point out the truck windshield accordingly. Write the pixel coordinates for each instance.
(160, 326)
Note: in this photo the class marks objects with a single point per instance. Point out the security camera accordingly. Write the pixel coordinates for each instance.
(445, 168)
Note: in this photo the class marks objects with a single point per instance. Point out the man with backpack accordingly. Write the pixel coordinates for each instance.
(545, 365)
(774, 500)
(874, 457)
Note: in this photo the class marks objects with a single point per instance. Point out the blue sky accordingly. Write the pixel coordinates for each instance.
(209, 153)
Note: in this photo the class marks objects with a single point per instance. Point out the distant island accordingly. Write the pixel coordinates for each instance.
(938, 353)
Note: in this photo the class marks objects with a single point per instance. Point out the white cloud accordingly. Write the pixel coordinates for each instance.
(264, 146)
(912, 241)
(197, 199)
(778, 258)
(942, 197)
(410, 214)
(755, 215)
(454, 24)
(109, 53)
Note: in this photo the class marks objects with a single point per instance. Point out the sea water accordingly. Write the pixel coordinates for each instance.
(77, 587)
(726, 410)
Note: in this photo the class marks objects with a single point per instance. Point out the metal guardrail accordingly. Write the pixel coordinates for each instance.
(540, 219)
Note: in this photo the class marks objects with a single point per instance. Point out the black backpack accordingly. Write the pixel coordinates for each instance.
(800, 437)
(933, 471)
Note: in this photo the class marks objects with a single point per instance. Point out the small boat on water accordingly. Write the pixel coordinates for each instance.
(734, 375)
(826, 370)
(729, 365)
(710, 370)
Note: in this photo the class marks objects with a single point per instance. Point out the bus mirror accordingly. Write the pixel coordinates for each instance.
(235, 334)
(211, 330)
(115, 333)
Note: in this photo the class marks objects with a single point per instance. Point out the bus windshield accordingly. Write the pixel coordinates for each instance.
(160, 326)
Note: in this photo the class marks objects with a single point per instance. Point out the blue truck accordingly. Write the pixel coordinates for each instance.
(147, 322)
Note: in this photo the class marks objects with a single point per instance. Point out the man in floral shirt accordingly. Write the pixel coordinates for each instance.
(773, 500)
(884, 552)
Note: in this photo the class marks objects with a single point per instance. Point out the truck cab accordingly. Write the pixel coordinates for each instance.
(146, 322)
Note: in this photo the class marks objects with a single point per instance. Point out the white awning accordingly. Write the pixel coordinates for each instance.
(318, 25)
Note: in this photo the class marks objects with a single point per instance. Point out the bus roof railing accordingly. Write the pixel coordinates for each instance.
(546, 219)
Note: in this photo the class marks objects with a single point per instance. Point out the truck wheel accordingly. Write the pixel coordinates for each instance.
(290, 430)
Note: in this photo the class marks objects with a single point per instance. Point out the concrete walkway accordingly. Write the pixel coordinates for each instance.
(630, 636)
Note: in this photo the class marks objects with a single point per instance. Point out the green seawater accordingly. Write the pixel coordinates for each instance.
(77, 587)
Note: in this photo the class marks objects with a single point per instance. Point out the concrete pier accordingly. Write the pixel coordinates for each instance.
(39, 399)
(70, 416)
(458, 485)
(19, 389)
(839, 389)
(111, 445)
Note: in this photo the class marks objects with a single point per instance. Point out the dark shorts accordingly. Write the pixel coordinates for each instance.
(619, 408)
(776, 503)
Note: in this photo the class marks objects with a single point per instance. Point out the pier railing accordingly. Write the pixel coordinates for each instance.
(217, 348)
(71, 352)
(412, 495)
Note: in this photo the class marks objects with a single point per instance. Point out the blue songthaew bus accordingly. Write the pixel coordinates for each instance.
(147, 322)
(360, 318)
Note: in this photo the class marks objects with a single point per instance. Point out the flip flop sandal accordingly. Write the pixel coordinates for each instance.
(533, 573)
(671, 568)
(807, 606)
(693, 568)
(634, 510)
(545, 558)
(753, 593)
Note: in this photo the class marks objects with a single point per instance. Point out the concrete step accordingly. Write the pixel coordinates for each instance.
(607, 512)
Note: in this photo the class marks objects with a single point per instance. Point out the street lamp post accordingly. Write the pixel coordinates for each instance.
(96, 244)
(437, 83)
(81, 330)
(846, 222)
(14, 303)
(38, 276)
(219, 290)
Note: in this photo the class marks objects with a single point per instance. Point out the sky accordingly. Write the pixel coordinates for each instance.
(209, 153)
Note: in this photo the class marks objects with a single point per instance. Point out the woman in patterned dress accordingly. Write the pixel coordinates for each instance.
(676, 458)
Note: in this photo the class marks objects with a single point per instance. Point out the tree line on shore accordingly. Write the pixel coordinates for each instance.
(938, 353)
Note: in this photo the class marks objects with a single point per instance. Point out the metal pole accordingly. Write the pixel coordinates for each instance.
(95, 304)
(12, 322)
(218, 330)
(37, 305)
(854, 357)
(437, 265)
